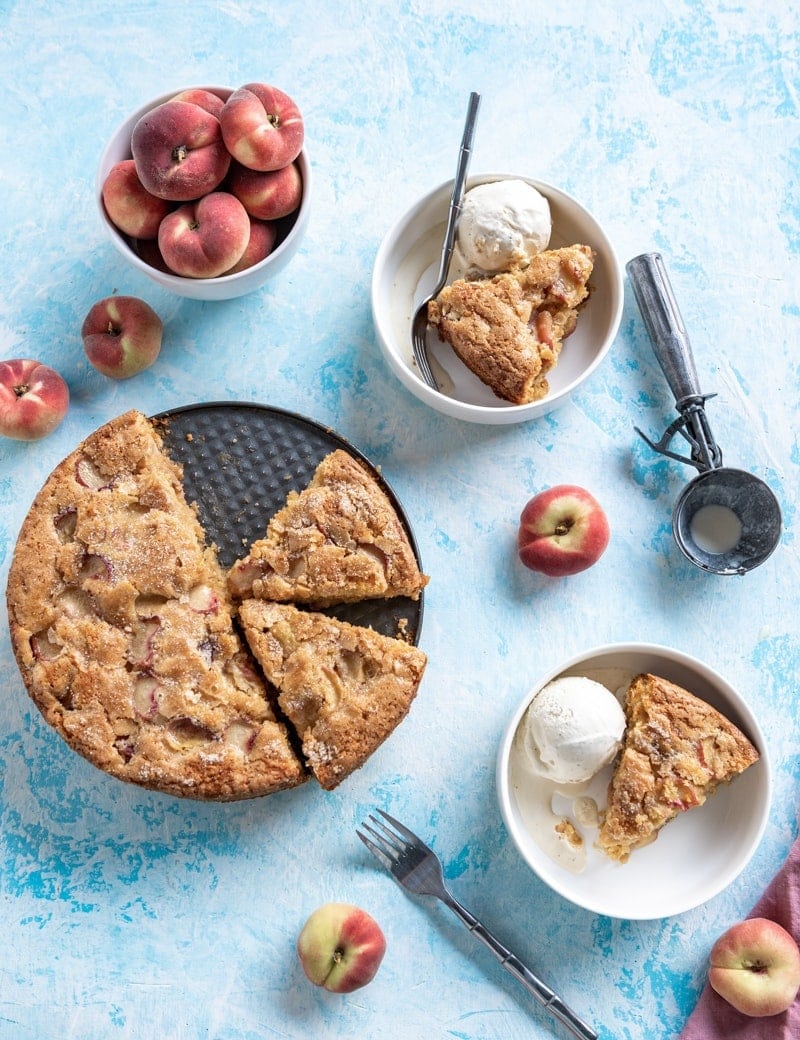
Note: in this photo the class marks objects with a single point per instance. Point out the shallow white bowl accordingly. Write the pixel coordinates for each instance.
(225, 287)
(405, 271)
(696, 855)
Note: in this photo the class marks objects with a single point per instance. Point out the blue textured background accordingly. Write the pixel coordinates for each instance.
(124, 914)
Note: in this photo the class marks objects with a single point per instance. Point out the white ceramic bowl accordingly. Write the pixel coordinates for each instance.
(696, 855)
(405, 271)
(225, 287)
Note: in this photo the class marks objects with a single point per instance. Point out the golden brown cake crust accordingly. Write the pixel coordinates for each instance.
(339, 540)
(677, 750)
(509, 329)
(343, 687)
(120, 625)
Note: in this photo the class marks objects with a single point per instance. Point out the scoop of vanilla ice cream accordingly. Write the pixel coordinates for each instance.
(572, 728)
(502, 223)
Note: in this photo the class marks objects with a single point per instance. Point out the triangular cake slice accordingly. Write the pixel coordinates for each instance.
(344, 688)
(509, 329)
(339, 540)
(122, 630)
(677, 750)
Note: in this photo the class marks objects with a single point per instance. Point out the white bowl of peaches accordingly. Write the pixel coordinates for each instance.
(207, 190)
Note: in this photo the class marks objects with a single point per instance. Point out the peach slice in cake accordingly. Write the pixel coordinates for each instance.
(509, 329)
(343, 687)
(339, 540)
(677, 750)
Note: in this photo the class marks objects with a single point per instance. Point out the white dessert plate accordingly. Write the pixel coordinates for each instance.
(696, 855)
(405, 271)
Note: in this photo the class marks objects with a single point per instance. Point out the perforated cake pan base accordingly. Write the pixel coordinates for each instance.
(241, 460)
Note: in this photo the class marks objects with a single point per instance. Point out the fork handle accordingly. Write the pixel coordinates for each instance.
(457, 195)
(538, 989)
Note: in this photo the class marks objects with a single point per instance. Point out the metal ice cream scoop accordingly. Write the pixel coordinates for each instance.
(726, 520)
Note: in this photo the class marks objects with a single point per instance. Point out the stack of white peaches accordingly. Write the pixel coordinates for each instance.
(206, 183)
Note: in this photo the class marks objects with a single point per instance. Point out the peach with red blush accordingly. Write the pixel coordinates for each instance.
(755, 966)
(121, 336)
(266, 195)
(34, 399)
(263, 235)
(206, 99)
(179, 151)
(262, 127)
(562, 530)
(130, 207)
(341, 947)
(204, 239)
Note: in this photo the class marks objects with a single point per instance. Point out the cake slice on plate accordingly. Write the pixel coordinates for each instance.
(339, 540)
(344, 688)
(677, 750)
(509, 329)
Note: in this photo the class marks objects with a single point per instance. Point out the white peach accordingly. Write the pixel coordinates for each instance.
(263, 235)
(755, 966)
(121, 336)
(340, 947)
(34, 399)
(266, 195)
(206, 99)
(562, 531)
(179, 151)
(262, 127)
(204, 239)
(130, 207)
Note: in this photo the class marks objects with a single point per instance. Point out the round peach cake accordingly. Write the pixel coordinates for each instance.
(124, 632)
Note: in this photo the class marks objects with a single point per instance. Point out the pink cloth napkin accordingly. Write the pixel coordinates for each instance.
(714, 1018)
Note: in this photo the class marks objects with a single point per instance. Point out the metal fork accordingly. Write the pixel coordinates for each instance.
(417, 868)
(419, 325)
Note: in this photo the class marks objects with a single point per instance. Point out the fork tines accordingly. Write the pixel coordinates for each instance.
(384, 843)
(423, 364)
(388, 845)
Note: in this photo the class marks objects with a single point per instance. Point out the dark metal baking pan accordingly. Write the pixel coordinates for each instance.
(241, 460)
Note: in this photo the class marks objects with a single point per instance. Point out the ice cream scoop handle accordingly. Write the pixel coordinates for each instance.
(541, 992)
(459, 184)
(664, 324)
